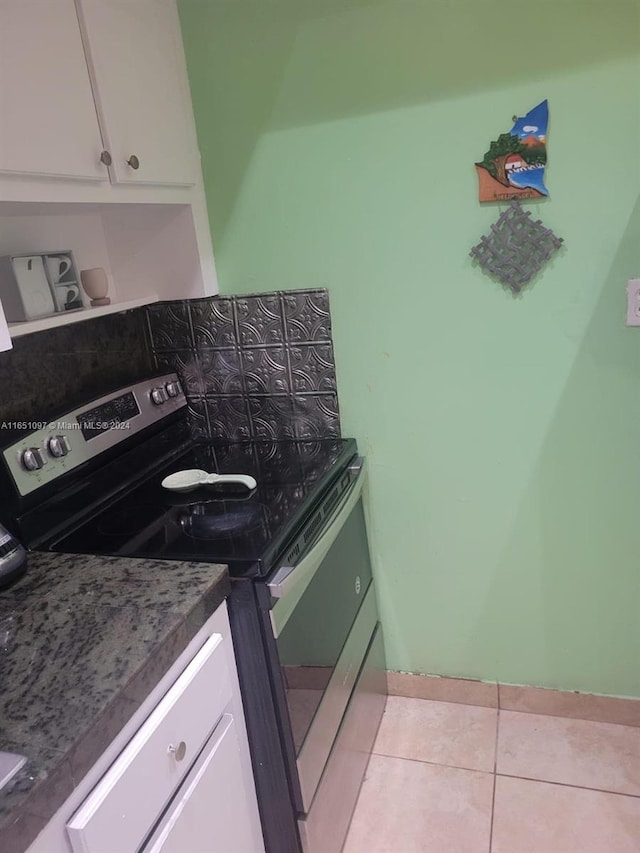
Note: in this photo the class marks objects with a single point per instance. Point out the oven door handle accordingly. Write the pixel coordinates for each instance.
(290, 582)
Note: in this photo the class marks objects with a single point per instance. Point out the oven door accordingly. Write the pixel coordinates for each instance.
(323, 616)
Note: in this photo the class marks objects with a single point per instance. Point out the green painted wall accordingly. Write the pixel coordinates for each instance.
(503, 432)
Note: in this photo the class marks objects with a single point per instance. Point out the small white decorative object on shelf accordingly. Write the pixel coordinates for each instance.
(65, 287)
(96, 285)
(39, 285)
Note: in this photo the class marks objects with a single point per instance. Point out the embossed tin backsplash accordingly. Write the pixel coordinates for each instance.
(257, 366)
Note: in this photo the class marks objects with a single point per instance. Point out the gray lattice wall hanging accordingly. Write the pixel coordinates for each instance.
(516, 248)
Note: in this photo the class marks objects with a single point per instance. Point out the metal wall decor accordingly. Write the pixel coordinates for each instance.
(516, 248)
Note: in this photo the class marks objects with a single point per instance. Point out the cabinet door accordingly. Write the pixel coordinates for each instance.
(211, 811)
(48, 121)
(137, 65)
(124, 806)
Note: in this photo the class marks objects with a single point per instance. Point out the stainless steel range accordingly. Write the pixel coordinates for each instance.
(303, 610)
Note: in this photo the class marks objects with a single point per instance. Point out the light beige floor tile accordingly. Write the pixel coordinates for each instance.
(536, 817)
(463, 690)
(574, 752)
(441, 732)
(410, 807)
(580, 706)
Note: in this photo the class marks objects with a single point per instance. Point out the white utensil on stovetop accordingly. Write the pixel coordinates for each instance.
(193, 478)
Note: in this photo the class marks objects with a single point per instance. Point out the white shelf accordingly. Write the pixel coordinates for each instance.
(66, 317)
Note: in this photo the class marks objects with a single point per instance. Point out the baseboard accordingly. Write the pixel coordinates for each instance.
(507, 697)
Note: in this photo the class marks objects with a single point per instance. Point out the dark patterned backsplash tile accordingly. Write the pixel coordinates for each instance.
(198, 418)
(213, 323)
(312, 368)
(220, 372)
(306, 315)
(271, 417)
(228, 418)
(248, 363)
(260, 320)
(48, 372)
(266, 370)
(170, 326)
(316, 416)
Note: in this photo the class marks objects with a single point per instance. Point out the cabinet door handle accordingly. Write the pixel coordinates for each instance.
(134, 162)
(105, 158)
(178, 751)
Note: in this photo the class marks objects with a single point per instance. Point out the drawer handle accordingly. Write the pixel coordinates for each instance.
(134, 162)
(178, 751)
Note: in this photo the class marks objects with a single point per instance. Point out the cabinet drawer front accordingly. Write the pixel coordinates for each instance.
(211, 811)
(119, 812)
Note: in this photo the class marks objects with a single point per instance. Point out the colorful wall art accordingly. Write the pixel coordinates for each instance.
(513, 167)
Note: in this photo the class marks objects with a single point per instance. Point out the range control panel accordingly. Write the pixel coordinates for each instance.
(59, 446)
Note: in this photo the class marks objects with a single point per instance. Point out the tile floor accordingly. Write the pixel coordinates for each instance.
(449, 778)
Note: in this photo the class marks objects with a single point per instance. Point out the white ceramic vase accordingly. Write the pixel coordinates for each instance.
(95, 285)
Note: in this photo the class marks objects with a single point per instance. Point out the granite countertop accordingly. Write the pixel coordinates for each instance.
(83, 641)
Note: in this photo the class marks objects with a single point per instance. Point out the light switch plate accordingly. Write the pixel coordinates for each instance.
(633, 302)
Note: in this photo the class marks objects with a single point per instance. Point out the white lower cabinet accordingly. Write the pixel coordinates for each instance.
(208, 814)
(124, 807)
(178, 778)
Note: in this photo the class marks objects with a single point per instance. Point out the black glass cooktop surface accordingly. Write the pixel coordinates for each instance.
(226, 524)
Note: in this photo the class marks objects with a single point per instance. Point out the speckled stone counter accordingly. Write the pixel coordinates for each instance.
(83, 641)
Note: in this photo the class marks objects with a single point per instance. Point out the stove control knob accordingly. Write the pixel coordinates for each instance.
(58, 446)
(158, 396)
(173, 388)
(32, 459)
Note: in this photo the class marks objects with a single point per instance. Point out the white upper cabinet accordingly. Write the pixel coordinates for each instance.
(48, 122)
(137, 66)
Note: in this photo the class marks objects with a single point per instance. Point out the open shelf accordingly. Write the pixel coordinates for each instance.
(63, 318)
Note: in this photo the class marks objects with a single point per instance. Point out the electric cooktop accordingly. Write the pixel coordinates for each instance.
(227, 524)
(90, 482)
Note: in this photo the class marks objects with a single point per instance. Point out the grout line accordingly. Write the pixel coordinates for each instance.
(187, 308)
(149, 344)
(517, 710)
(433, 763)
(567, 717)
(568, 785)
(431, 698)
(239, 349)
(495, 776)
(501, 707)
